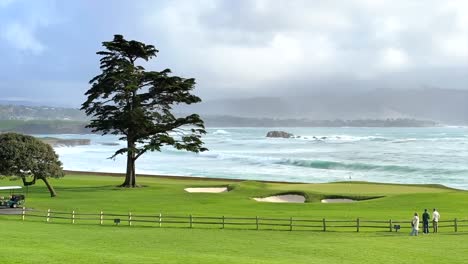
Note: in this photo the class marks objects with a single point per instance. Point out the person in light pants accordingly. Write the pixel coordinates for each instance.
(435, 220)
(415, 225)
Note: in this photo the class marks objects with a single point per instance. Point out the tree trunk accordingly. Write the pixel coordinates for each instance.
(26, 183)
(130, 177)
(51, 189)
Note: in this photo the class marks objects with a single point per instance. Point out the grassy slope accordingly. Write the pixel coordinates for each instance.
(110, 244)
(91, 194)
(56, 243)
(8, 125)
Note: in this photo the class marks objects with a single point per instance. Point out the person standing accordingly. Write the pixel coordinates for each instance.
(415, 225)
(435, 220)
(426, 218)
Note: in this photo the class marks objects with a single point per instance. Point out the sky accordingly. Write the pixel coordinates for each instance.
(237, 49)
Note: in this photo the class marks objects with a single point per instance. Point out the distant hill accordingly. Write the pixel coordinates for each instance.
(441, 105)
(226, 121)
(44, 126)
(78, 127)
(379, 107)
(21, 112)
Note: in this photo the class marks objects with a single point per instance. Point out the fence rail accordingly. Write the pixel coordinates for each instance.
(233, 222)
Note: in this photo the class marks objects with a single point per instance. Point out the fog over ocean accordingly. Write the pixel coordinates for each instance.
(395, 155)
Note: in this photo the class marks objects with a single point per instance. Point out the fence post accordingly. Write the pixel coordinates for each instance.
(357, 224)
(160, 219)
(324, 225)
(101, 218)
(223, 221)
(191, 221)
(48, 215)
(290, 224)
(129, 218)
(455, 224)
(23, 213)
(390, 224)
(73, 216)
(256, 221)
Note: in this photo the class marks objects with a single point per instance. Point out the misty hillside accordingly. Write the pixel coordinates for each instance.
(442, 105)
(22, 112)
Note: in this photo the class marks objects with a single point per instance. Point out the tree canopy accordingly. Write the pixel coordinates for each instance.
(29, 158)
(127, 100)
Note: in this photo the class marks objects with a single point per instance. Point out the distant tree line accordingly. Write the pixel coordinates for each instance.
(225, 121)
(21, 112)
(70, 127)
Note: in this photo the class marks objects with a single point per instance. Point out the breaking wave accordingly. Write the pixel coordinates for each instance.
(333, 165)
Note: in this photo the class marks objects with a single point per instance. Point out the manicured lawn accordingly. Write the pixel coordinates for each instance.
(162, 195)
(34, 241)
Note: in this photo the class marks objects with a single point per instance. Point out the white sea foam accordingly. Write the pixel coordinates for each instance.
(341, 138)
(221, 132)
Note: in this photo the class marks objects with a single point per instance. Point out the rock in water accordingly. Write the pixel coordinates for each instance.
(279, 134)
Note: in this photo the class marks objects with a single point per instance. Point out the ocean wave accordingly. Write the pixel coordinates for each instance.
(243, 158)
(342, 138)
(333, 165)
(440, 139)
(221, 132)
(405, 140)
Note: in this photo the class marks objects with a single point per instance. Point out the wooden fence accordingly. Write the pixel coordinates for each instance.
(225, 222)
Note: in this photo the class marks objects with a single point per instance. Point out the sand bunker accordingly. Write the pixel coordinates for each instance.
(337, 201)
(207, 190)
(286, 198)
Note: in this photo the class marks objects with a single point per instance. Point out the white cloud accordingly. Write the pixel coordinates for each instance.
(394, 59)
(255, 45)
(21, 30)
(22, 38)
(454, 46)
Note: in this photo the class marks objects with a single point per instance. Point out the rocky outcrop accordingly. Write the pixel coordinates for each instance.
(57, 142)
(279, 134)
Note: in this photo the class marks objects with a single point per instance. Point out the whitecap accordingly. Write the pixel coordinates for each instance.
(221, 132)
(341, 138)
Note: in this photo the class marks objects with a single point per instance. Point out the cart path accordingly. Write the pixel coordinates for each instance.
(10, 211)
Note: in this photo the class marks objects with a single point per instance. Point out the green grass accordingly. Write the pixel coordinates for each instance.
(91, 194)
(32, 242)
(10, 124)
(38, 242)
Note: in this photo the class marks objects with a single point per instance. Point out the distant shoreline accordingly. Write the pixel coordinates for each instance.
(79, 127)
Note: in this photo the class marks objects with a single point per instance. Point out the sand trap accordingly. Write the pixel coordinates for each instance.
(286, 198)
(337, 201)
(207, 190)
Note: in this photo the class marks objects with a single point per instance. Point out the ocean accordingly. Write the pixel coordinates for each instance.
(437, 155)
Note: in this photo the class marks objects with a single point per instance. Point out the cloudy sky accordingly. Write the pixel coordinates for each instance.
(237, 48)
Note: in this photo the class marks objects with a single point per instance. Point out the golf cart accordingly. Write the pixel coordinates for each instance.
(12, 200)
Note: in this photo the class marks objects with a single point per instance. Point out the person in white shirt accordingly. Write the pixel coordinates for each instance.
(415, 225)
(435, 220)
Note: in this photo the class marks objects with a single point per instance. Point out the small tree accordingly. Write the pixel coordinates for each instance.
(127, 100)
(27, 157)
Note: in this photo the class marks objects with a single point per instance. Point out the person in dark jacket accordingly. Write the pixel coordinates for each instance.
(425, 218)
